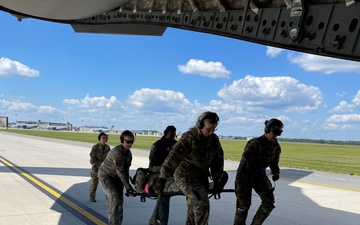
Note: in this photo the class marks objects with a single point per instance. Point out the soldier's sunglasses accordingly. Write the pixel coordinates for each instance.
(129, 142)
(277, 132)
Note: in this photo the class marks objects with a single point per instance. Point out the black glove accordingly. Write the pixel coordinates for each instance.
(217, 188)
(159, 185)
(130, 192)
(275, 177)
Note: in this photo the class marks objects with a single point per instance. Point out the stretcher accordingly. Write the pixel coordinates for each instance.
(152, 195)
(144, 196)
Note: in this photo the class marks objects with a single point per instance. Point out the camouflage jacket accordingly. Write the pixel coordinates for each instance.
(159, 151)
(117, 165)
(259, 154)
(98, 154)
(193, 156)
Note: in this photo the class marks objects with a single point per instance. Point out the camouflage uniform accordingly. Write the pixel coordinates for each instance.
(113, 176)
(158, 153)
(97, 155)
(258, 154)
(189, 162)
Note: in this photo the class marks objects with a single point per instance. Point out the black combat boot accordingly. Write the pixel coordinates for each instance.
(240, 216)
(92, 198)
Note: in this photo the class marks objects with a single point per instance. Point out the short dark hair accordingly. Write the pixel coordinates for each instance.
(126, 133)
(169, 128)
(269, 124)
(101, 134)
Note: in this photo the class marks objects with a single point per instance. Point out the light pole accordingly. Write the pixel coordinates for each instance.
(15, 118)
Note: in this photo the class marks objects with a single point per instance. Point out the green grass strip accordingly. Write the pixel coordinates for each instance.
(310, 156)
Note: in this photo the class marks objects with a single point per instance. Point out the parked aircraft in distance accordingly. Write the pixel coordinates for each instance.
(103, 130)
(29, 125)
(61, 127)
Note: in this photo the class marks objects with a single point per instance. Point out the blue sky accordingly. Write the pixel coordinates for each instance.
(50, 73)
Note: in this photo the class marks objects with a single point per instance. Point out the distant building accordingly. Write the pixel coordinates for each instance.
(147, 132)
(4, 120)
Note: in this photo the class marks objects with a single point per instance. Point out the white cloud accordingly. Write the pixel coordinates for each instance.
(272, 93)
(9, 68)
(156, 108)
(342, 94)
(273, 52)
(93, 102)
(344, 118)
(356, 99)
(94, 110)
(158, 100)
(207, 69)
(343, 107)
(21, 106)
(329, 126)
(346, 107)
(283, 118)
(4, 103)
(47, 109)
(315, 63)
(337, 126)
(27, 111)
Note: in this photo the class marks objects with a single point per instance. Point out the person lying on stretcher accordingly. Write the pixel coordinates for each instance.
(144, 180)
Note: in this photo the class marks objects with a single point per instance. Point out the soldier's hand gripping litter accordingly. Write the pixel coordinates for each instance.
(159, 185)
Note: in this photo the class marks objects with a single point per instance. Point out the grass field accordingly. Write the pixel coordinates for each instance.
(322, 157)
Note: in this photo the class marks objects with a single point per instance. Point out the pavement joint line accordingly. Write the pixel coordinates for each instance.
(54, 193)
(321, 184)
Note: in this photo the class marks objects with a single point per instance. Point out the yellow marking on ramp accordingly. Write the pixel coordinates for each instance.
(54, 193)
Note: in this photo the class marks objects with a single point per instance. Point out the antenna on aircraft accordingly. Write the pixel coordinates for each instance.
(19, 18)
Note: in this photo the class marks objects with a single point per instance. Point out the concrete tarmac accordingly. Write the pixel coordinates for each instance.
(46, 182)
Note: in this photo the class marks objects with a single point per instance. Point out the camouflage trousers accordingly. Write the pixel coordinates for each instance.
(94, 184)
(263, 188)
(161, 210)
(113, 189)
(162, 207)
(198, 205)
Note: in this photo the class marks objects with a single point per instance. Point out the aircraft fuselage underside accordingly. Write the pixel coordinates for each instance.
(323, 29)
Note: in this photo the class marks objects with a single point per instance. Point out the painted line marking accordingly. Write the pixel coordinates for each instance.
(314, 183)
(321, 184)
(54, 193)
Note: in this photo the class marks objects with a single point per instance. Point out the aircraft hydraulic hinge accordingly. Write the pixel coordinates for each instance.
(297, 15)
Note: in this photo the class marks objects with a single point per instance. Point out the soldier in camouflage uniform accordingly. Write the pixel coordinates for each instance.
(114, 176)
(97, 155)
(196, 156)
(158, 153)
(259, 153)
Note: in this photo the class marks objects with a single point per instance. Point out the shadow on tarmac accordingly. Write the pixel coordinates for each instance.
(292, 206)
